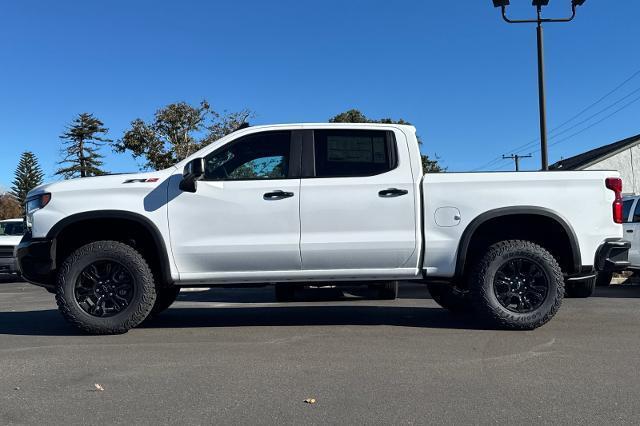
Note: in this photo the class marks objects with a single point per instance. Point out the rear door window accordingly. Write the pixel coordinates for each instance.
(349, 153)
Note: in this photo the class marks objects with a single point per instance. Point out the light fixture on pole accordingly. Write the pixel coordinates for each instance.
(539, 4)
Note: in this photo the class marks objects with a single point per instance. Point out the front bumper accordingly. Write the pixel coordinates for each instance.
(8, 264)
(613, 255)
(36, 260)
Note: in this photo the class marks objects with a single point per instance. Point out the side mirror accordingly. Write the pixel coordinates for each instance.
(192, 173)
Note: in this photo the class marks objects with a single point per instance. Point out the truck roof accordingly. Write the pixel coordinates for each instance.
(333, 125)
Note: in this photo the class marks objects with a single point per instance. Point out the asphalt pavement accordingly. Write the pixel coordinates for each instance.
(234, 356)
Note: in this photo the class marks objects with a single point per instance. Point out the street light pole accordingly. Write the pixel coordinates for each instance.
(541, 80)
(542, 99)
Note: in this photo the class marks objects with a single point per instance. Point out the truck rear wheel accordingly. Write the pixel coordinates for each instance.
(105, 287)
(164, 299)
(517, 285)
(450, 297)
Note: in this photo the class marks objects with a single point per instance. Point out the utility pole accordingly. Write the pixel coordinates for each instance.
(516, 158)
(542, 98)
(541, 84)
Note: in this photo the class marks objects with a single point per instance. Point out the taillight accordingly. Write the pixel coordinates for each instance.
(615, 184)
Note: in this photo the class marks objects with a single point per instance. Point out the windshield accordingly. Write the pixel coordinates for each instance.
(12, 228)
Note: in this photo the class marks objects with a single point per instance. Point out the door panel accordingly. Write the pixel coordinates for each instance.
(357, 222)
(244, 216)
(231, 227)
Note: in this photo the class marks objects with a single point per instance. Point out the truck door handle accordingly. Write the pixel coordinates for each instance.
(392, 192)
(277, 195)
(630, 231)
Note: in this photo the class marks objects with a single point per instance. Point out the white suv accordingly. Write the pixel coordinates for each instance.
(11, 232)
(631, 215)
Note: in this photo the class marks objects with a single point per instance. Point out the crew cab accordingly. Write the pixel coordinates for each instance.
(314, 203)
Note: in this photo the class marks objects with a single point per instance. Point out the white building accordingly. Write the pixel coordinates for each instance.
(623, 156)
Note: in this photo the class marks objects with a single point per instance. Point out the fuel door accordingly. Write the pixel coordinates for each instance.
(447, 217)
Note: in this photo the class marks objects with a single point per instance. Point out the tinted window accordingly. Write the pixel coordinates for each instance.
(12, 228)
(353, 152)
(626, 209)
(259, 156)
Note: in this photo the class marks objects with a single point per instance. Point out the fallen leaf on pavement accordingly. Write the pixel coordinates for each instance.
(99, 388)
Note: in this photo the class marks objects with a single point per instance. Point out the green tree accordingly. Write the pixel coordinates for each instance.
(177, 131)
(356, 116)
(28, 175)
(81, 144)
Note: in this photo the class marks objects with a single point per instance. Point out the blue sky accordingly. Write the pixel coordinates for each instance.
(454, 69)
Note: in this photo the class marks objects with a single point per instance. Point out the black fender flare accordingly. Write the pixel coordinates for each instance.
(161, 248)
(469, 232)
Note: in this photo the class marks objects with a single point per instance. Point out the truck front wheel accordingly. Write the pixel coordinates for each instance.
(105, 287)
(517, 285)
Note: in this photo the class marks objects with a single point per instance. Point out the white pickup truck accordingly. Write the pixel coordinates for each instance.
(315, 203)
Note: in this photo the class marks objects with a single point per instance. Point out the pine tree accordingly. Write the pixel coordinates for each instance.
(28, 175)
(81, 142)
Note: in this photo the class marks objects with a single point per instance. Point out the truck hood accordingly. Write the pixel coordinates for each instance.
(10, 240)
(115, 181)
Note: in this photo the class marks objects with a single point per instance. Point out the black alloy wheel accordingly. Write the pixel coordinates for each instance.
(521, 285)
(104, 288)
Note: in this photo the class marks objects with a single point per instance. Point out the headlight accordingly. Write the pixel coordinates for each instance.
(34, 204)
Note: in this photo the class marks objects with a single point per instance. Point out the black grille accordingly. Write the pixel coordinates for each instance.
(6, 251)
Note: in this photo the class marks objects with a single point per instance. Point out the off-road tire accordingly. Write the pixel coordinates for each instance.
(580, 289)
(603, 279)
(388, 290)
(285, 292)
(165, 296)
(450, 297)
(136, 312)
(485, 301)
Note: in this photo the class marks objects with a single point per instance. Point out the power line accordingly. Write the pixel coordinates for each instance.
(523, 147)
(634, 75)
(516, 158)
(596, 114)
(496, 160)
(503, 167)
(589, 107)
(597, 122)
(586, 120)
